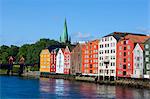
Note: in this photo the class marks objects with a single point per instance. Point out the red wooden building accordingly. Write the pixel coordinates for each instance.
(125, 47)
(67, 57)
(53, 60)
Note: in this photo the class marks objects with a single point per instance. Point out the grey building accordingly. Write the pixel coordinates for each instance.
(76, 60)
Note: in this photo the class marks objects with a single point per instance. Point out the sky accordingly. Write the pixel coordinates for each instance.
(27, 21)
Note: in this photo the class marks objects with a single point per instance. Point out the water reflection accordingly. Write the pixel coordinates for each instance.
(59, 88)
(46, 88)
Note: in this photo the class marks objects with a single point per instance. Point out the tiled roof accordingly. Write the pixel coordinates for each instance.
(137, 38)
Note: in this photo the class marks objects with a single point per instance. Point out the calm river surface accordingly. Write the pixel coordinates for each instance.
(45, 88)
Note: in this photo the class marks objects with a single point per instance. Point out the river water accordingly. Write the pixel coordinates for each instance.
(45, 88)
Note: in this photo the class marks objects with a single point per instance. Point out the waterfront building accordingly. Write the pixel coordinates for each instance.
(147, 59)
(53, 60)
(125, 48)
(107, 55)
(60, 61)
(67, 57)
(76, 59)
(90, 58)
(138, 61)
(48, 58)
(64, 38)
(45, 61)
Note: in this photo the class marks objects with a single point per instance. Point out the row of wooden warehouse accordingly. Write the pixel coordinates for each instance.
(123, 55)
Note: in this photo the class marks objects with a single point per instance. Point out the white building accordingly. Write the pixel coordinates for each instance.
(107, 57)
(138, 61)
(60, 61)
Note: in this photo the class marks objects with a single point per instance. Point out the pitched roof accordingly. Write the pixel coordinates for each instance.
(118, 35)
(142, 46)
(71, 47)
(148, 40)
(56, 50)
(137, 38)
(63, 50)
(52, 47)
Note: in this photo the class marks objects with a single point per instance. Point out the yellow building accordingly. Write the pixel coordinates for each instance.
(45, 61)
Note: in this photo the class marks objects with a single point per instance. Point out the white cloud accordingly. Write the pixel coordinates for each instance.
(83, 36)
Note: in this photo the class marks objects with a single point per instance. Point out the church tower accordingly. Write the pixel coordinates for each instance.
(64, 37)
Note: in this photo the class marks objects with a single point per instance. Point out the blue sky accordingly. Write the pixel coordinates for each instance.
(26, 21)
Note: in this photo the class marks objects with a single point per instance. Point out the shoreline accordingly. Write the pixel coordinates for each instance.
(123, 82)
(131, 83)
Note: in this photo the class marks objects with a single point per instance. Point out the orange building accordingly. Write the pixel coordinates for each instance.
(45, 61)
(90, 58)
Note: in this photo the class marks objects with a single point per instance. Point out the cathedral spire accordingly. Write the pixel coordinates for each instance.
(64, 36)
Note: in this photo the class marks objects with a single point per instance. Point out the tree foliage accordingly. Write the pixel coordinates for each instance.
(30, 52)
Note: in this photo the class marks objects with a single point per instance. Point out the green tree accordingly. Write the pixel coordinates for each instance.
(13, 50)
(4, 54)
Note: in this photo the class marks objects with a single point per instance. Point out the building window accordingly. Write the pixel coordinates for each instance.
(146, 46)
(148, 72)
(138, 58)
(147, 59)
(111, 51)
(107, 71)
(128, 58)
(113, 44)
(120, 65)
(147, 66)
(120, 59)
(124, 73)
(138, 65)
(120, 47)
(124, 60)
(127, 41)
(113, 57)
(147, 53)
(114, 51)
(91, 71)
(90, 65)
(124, 48)
(120, 72)
(128, 53)
(124, 66)
(111, 38)
(129, 65)
(128, 46)
(113, 64)
(120, 53)
(124, 42)
(124, 54)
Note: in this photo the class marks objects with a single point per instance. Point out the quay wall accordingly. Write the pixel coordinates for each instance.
(120, 82)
